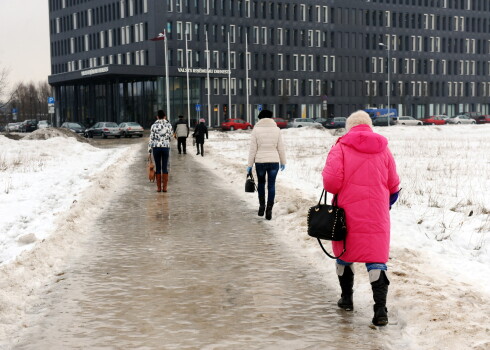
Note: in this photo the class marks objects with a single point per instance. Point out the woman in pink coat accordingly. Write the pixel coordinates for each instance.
(361, 172)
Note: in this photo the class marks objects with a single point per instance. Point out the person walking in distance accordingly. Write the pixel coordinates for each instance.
(159, 146)
(268, 154)
(199, 132)
(181, 132)
(360, 170)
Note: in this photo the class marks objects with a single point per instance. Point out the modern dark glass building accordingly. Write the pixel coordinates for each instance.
(307, 58)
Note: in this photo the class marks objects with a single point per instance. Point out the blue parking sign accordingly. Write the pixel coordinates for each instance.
(198, 107)
(50, 100)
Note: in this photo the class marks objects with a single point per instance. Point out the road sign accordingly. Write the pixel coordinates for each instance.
(259, 108)
(50, 100)
(198, 107)
(51, 109)
(324, 105)
(14, 110)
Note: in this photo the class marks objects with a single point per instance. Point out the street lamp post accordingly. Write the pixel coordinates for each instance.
(388, 92)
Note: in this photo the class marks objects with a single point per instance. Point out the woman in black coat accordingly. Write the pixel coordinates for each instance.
(199, 133)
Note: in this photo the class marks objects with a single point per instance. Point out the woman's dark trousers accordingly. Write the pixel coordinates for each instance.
(270, 170)
(201, 152)
(160, 154)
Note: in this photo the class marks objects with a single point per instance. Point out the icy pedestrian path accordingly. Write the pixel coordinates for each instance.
(189, 269)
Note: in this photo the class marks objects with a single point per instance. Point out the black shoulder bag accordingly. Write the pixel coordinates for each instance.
(327, 222)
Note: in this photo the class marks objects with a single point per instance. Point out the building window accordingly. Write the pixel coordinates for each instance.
(179, 31)
(264, 36)
(215, 60)
(180, 59)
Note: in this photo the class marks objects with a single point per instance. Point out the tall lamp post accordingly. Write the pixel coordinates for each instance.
(388, 92)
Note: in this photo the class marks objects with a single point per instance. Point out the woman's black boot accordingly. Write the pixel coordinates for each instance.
(346, 280)
(268, 211)
(379, 285)
(261, 205)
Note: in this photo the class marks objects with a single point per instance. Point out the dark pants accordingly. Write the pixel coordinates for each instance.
(269, 169)
(160, 154)
(202, 148)
(181, 142)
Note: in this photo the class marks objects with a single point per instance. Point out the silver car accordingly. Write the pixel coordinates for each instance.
(461, 119)
(407, 120)
(12, 127)
(300, 122)
(128, 129)
(43, 124)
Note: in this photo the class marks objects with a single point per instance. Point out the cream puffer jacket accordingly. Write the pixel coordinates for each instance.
(266, 145)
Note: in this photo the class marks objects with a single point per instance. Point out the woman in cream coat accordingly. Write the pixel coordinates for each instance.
(267, 152)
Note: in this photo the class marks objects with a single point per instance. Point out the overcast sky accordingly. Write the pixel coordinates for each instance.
(24, 39)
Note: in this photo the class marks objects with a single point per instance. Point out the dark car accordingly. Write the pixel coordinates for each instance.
(75, 127)
(104, 129)
(383, 121)
(482, 119)
(334, 123)
(28, 125)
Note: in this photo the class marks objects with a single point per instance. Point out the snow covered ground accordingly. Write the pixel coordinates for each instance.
(440, 259)
(50, 191)
(439, 264)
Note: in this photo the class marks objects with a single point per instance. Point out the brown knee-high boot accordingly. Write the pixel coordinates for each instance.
(164, 182)
(159, 182)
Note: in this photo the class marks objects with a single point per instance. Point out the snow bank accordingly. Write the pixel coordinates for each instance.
(47, 186)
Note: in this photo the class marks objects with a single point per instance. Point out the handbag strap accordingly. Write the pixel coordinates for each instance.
(324, 196)
(331, 256)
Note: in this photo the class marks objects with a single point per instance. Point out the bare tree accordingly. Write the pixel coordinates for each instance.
(30, 100)
(5, 94)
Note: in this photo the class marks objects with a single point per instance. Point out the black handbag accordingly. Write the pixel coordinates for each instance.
(327, 222)
(250, 184)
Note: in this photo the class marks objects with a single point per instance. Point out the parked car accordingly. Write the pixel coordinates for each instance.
(12, 127)
(383, 121)
(281, 123)
(407, 120)
(28, 125)
(300, 122)
(43, 124)
(461, 119)
(334, 123)
(434, 120)
(235, 124)
(482, 119)
(320, 120)
(104, 129)
(128, 129)
(75, 127)
(474, 115)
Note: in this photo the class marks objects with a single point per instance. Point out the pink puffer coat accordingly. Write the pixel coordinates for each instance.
(361, 170)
